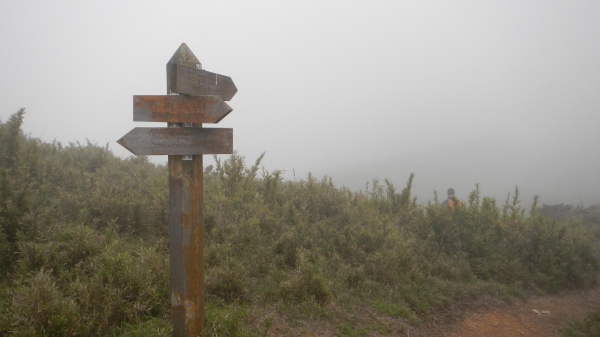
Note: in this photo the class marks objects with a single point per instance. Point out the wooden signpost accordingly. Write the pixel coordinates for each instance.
(197, 82)
(185, 141)
(178, 141)
(179, 109)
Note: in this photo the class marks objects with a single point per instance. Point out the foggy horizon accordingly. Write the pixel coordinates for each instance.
(501, 93)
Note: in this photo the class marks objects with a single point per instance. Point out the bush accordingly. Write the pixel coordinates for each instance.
(84, 248)
(589, 327)
(81, 282)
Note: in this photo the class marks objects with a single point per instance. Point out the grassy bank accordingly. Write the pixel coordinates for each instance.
(84, 248)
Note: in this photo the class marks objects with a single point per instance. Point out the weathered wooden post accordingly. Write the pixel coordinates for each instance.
(199, 100)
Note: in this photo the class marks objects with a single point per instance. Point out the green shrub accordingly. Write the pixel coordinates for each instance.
(228, 320)
(39, 307)
(589, 327)
(95, 282)
(90, 230)
(307, 284)
(227, 282)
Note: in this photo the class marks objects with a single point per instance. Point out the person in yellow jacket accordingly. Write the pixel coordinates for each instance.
(452, 200)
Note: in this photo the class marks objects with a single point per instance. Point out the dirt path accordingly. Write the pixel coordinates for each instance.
(535, 317)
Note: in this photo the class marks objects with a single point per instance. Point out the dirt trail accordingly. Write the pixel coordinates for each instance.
(521, 318)
(537, 316)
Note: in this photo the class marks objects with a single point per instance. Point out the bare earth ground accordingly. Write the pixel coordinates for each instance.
(537, 316)
(518, 318)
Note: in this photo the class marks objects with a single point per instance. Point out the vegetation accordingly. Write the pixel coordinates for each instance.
(84, 248)
(589, 327)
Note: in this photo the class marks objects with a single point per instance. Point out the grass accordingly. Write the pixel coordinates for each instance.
(84, 248)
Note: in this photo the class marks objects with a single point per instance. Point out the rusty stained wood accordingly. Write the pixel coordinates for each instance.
(198, 82)
(186, 231)
(179, 109)
(178, 141)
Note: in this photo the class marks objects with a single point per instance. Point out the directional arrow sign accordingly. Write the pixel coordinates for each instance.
(178, 141)
(198, 82)
(179, 109)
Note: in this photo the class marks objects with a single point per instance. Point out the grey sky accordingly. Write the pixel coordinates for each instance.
(500, 93)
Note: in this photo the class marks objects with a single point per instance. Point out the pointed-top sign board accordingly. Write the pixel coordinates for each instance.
(184, 56)
(185, 76)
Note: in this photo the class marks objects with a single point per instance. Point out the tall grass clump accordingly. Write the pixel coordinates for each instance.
(84, 247)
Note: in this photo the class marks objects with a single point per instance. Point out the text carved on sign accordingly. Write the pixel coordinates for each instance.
(179, 109)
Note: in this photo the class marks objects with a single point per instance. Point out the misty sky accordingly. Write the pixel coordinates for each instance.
(501, 93)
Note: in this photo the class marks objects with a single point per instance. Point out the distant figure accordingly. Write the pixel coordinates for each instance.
(452, 200)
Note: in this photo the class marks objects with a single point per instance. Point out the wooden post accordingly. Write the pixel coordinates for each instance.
(186, 228)
(185, 141)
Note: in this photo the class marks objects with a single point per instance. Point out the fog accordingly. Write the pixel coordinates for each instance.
(500, 93)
